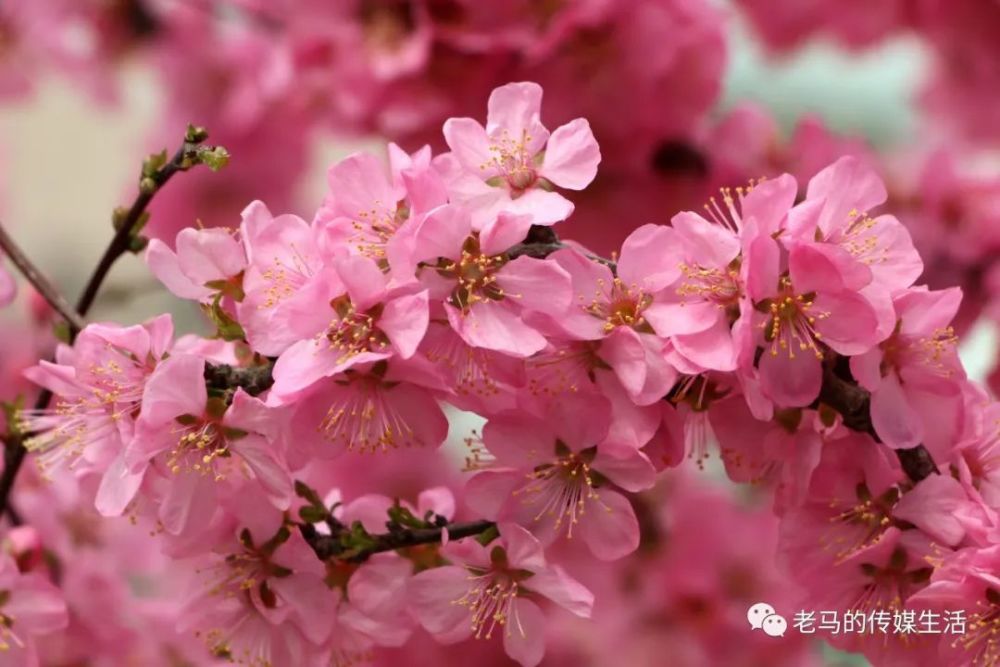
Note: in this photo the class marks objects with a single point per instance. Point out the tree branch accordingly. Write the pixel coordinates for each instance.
(854, 405)
(38, 280)
(155, 174)
(330, 546)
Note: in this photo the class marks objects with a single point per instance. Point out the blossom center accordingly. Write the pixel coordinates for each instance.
(982, 635)
(512, 158)
(475, 275)
(373, 229)
(861, 524)
(620, 305)
(720, 286)
(791, 321)
(490, 600)
(353, 332)
(562, 489)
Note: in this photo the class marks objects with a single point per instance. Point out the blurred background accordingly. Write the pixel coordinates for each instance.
(685, 96)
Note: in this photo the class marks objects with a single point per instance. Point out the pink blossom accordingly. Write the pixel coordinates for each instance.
(555, 477)
(512, 163)
(32, 607)
(352, 318)
(207, 262)
(262, 598)
(492, 584)
(835, 221)
(284, 257)
(915, 376)
(622, 309)
(965, 582)
(809, 300)
(98, 385)
(708, 297)
(198, 441)
(485, 292)
(365, 209)
(368, 410)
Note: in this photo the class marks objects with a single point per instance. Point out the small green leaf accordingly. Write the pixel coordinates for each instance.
(186, 420)
(312, 514)
(196, 134)
(61, 331)
(153, 163)
(226, 327)
(12, 414)
(488, 535)
(215, 158)
(307, 493)
(231, 433)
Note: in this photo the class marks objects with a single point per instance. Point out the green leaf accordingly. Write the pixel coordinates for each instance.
(153, 163)
(226, 327)
(215, 158)
(312, 514)
(307, 493)
(12, 414)
(61, 331)
(195, 134)
(488, 535)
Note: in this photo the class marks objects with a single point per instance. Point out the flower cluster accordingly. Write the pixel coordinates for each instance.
(788, 329)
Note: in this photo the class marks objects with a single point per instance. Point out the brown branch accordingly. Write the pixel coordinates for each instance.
(154, 176)
(330, 546)
(854, 405)
(38, 280)
(225, 379)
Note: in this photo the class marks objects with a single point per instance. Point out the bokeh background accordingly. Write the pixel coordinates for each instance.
(685, 96)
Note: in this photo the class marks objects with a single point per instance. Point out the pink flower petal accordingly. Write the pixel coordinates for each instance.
(824, 267)
(712, 348)
(769, 202)
(432, 595)
(849, 184)
(362, 188)
(650, 258)
(8, 287)
(404, 320)
(263, 459)
(515, 108)
(705, 243)
(442, 233)
(524, 633)
(572, 156)
(364, 281)
(494, 326)
(791, 382)
(176, 387)
(164, 264)
(506, 230)
(557, 585)
(488, 491)
(209, 254)
(610, 527)
(543, 207)
(118, 487)
(672, 319)
(470, 145)
(536, 284)
(851, 326)
(895, 421)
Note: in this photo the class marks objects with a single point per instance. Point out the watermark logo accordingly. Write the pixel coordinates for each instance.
(763, 617)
